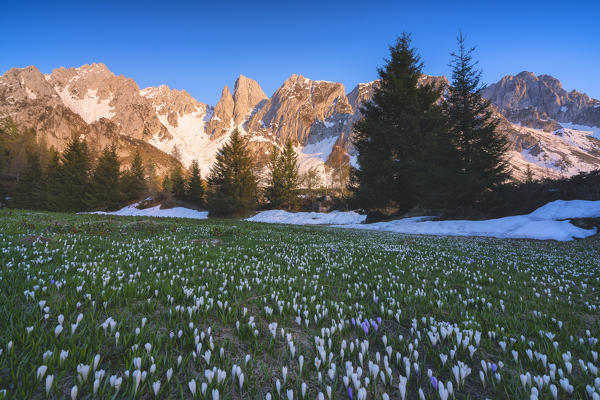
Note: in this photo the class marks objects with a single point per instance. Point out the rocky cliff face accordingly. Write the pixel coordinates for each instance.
(82, 102)
(539, 117)
(529, 99)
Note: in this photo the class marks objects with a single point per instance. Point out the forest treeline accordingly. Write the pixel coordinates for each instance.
(419, 147)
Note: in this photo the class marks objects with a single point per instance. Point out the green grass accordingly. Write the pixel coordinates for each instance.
(171, 299)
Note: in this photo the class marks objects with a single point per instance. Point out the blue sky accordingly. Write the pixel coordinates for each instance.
(200, 47)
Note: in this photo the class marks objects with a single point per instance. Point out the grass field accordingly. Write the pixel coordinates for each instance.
(114, 307)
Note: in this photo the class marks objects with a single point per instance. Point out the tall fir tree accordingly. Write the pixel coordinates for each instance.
(133, 184)
(195, 186)
(274, 189)
(29, 191)
(393, 139)
(231, 182)
(177, 183)
(74, 177)
(105, 183)
(52, 180)
(290, 177)
(481, 148)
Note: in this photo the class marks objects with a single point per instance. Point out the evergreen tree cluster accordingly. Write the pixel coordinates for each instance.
(35, 177)
(424, 146)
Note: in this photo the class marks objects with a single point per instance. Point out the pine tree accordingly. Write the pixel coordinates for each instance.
(29, 191)
(529, 176)
(481, 149)
(274, 189)
(74, 177)
(177, 183)
(311, 180)
(394, 137)
(105, 184)
(133, 183)
(290, 178)
(232, 184)
(52, 182)
(195, 186)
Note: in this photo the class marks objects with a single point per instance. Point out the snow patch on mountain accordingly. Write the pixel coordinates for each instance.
(191, 139)
(590, 130)
(90, 107)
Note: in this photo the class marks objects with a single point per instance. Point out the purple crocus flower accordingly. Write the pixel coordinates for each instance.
(52, 281)
(353, 321)
(365, 328)
(434, 383)
(378, 320)
(349, 392)
(494, 368)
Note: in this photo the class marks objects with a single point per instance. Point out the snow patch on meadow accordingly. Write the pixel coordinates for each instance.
(308, 218)
(550, 222)
(175, 212)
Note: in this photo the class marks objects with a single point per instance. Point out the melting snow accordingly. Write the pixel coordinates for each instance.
(308, 218)
(549, 222)
(176, 212)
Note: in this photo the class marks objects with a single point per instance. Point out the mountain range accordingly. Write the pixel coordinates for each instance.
(552, 131)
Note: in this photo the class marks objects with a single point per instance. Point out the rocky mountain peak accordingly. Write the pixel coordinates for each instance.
(529, 99)
(296, 106)
(247, 95)
(222, 118)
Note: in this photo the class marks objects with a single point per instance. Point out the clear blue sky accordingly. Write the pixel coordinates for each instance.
(202, 47)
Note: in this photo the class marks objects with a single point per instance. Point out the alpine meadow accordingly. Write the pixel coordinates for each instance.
(421, 226)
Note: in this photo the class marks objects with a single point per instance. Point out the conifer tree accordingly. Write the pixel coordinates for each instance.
(231, 182)
(393, 139)
(195, 186)
(105, 185)
(29, 191)
(133, 183)
(284, 177)
(311, 180)
(177, 183)
(290, 178)
(481, 149)
(74, 177)
(52, 182)
(274, 189)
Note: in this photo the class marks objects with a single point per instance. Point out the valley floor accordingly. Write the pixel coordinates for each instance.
(123, 307)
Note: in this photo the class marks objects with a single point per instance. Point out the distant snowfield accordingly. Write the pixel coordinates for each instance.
(549, 222)
(176, 212)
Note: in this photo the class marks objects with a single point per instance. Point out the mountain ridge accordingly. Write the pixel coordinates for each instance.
(542, 120)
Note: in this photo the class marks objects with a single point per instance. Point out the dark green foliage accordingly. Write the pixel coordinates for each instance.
(133, 182)
(52, 181)
(105, 184)
(232, 184)
(397, 135)
(273, 191)
(29, 192)
(177, 183)
(481, 151)
(195, 186)
(74, 179)
(284, 177)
